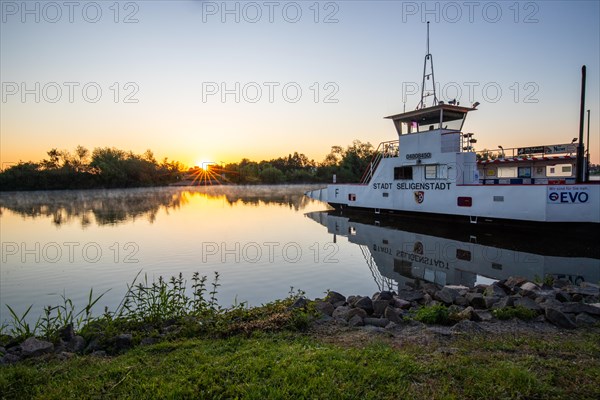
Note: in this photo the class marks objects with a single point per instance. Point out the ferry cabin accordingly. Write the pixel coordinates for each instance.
(432, 168)
(541, 165)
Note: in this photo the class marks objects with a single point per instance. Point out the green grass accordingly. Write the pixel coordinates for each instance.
(296, 366)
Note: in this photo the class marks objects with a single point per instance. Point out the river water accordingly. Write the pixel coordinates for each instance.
(261, 239)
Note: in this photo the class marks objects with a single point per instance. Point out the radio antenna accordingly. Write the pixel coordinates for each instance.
(428, 76)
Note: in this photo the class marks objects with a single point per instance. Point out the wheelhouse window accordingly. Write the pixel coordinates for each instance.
(428, 121)
(403, 173)
(454, 124)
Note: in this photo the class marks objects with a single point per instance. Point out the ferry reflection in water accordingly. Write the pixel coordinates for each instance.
(401, 252)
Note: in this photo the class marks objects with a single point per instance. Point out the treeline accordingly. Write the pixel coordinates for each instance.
(347, 164)
(103, 168)
(114, 168)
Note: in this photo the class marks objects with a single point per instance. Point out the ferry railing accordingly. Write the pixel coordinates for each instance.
(466, 142)
(517, 152)
(384, 150)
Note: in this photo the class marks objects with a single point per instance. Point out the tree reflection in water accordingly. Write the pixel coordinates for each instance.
(116, 206)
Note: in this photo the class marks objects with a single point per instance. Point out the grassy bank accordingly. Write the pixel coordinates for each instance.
(163, 343)
(295, 365)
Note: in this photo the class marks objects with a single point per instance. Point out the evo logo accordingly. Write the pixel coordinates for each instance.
(568, 194)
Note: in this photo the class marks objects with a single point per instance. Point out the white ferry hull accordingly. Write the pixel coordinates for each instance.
(574, 203)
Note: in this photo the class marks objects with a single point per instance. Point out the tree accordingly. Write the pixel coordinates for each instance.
(334, 157)
(80, 162)
(271, 175)
(348, 165)
(108, 163)
(248, 171)
(149, 156)
(54, 160)
(357, 158)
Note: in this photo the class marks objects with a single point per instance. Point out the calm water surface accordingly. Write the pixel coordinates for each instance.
(257, 238)
(262, 240)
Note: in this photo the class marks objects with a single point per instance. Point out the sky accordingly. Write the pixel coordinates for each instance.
(202, 81)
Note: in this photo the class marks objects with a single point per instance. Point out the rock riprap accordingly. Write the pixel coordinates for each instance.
(460, 310)
(563, 304)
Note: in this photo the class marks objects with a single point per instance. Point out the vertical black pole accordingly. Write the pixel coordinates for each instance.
(587, 147)
(580, 177)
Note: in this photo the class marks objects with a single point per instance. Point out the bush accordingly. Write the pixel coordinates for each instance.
(437, 314)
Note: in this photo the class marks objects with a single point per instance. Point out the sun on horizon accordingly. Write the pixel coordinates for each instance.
(204, 163)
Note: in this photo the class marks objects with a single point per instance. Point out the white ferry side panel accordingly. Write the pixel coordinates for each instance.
(542, 203)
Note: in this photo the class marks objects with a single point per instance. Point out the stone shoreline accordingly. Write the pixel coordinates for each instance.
(562, 304)
(478, 310)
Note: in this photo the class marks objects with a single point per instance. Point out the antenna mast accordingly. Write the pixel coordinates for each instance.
(427, 76)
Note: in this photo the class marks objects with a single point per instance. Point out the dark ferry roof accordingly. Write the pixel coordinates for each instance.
(431, 115)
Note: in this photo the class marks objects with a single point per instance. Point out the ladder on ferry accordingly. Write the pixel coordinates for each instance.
(384, 150)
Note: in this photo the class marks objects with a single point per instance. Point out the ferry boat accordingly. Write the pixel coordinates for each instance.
(399, 252)
(432, 170)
